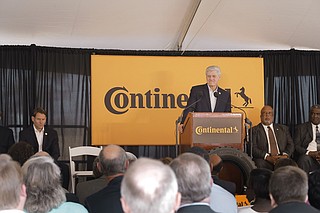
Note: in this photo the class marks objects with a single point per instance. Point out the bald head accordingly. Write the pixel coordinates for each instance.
(113, 160)
(149, 186)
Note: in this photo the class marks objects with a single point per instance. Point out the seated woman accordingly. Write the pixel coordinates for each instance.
(44, 191)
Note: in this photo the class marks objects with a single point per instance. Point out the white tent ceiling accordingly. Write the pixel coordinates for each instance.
(161, 24)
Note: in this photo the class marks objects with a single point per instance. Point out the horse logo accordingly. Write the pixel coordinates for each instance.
(242, 94)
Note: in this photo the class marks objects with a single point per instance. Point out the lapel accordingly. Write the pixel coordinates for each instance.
(207, 97)
(309, 130)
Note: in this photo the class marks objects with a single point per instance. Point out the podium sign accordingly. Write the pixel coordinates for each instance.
(210, 130)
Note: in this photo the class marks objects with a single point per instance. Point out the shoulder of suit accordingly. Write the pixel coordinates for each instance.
(200, 86)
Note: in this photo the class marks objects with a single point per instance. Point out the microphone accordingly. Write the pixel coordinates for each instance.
(199, 99)
(246, 119)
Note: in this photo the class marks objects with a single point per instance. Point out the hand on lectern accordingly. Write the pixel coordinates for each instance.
(180, 128)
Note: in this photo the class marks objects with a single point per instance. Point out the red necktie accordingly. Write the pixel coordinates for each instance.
(272, 140)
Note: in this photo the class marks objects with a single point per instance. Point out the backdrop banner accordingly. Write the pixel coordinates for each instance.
(135, 100)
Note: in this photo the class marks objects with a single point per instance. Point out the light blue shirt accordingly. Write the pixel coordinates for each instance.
(222, 201)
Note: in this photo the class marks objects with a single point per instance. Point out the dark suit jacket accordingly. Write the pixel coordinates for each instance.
(227, 185)
(294, 207)
(107, 199)
(6, 139)
(260, 141)
(195, 208)
(50, 140)
(201, 92)
(303, 136)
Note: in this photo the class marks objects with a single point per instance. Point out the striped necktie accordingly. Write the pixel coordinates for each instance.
(318, 138)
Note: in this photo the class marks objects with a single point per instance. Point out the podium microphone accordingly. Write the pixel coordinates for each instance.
(199, 99)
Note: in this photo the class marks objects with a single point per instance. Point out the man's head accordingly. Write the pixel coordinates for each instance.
(266, 115)
(259, 182)
(39, 118)
(315, 114)
(12, 190)
(213, 75)
(288, 183)
(113, 160)
(194, 178)
(314, 189)
(149, 186)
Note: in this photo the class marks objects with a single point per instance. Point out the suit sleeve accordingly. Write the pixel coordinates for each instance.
(55, 150)
(192, 99)
(228, 105)
(257, 151)
(299, 139)
(289, 142)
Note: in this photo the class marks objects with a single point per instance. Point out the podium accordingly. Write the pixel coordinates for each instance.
(211, 130)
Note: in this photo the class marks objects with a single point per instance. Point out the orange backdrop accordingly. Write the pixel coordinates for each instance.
(137, 99)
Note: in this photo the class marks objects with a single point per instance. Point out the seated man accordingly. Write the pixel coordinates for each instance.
(12, 190)
(149, 186)
(307, 140)
(270, 141)
(288, 189)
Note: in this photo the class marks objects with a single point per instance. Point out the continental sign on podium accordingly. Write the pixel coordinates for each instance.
(210, 130)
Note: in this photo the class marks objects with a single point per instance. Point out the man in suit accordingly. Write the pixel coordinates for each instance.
(41, 137)
(6, 138)
(194, 183)
(270, 141)
(113, 161)
(307, 151)
(288, 189)
(149, 186)
(87, 188)
(207, 97)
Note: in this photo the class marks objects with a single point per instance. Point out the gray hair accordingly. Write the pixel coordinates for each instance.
(194, 178)
(288, 183)
(149, 186)
(113, 160)
(42, 179)
(213, 68)
(11, 182)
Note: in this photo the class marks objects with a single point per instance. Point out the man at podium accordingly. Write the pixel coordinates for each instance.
(207, 97)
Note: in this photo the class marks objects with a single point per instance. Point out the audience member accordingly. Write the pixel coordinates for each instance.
(216, 164)
(314, 189)
(6, 136)
(194, 182)
(131, 157)
(307, 141)
(288, 189)
(259, 184)
(21, 152)
(285, 162)
(270, 141)
(44, 190)
(87, 188)
(149, 186)
(12, 190)
(113, 161)
(218, 194)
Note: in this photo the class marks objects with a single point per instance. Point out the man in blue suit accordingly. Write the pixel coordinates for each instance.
(207, 97)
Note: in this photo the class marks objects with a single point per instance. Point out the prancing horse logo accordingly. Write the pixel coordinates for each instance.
(242, 94)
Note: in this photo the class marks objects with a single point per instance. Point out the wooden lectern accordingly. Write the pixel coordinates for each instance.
(211, 130)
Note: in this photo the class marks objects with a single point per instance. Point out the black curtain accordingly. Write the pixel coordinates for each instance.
(58, 79)
(53, 78)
